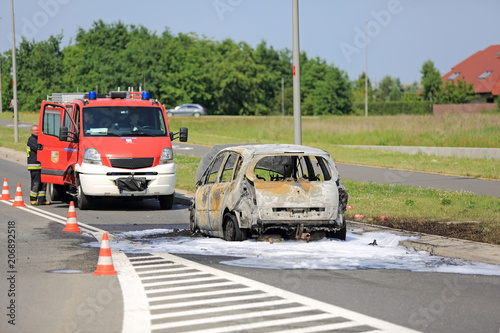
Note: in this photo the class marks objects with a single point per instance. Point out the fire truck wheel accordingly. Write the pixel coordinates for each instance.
(83, 200)
(166, 201)
(55, 192)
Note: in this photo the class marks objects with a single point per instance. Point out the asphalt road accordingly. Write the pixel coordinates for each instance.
(55, 302)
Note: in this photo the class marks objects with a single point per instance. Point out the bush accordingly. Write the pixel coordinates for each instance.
(393, 108)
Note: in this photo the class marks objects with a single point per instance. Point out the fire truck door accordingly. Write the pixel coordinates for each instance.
(57, 157)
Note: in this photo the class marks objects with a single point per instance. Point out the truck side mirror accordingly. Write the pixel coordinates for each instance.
(63, 133)
(183, 134)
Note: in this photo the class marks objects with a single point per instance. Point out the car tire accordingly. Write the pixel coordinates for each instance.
(196, 114)
(84, 202)
(166, 201)
(169, 114)
(340, 234)
(192, 220)
(55, 192)
(232, 231)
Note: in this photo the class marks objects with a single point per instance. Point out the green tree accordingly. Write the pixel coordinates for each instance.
(459, 93)
(237, 82)
(395, 94)
(39, 71)
(333, 94)
(6, 69)
(431, 81)
(410, 97)
(358, 92)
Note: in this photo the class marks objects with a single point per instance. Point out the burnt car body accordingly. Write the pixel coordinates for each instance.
(249, 190)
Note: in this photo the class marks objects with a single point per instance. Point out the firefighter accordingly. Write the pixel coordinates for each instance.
(37, 193)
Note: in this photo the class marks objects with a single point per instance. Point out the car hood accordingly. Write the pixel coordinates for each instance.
(303, 194)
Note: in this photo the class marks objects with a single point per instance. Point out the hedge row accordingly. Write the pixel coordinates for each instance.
(393, 108)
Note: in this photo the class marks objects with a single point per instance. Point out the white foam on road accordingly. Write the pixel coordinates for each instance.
(327, 254)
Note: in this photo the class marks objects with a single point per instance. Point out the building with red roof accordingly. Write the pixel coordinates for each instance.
(483, 70)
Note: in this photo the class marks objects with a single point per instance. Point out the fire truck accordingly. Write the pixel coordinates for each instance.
(116, 145)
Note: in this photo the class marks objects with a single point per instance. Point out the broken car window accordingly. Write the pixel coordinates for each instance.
(227, 173)
(292, 168)
(214, 169)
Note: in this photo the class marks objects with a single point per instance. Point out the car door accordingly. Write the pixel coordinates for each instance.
(219, 192)
(203, 193)
(57, 157)
(184, 110)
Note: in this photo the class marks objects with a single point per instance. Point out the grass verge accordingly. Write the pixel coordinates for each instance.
(329, 132)
(7, 138)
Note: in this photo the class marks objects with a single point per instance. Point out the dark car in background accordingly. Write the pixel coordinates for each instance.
(194, 110)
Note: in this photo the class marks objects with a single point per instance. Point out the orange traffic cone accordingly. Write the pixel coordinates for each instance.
(18, 199)
(71, 224)
(5, 191)
(105, 262)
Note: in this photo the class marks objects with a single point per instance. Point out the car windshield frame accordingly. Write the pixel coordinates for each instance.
(292, 167)
(123, 121)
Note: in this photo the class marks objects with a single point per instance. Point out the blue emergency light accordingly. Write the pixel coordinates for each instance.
(145, 95)
(92, 95)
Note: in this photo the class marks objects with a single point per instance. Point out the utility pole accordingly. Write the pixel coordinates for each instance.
(366, 69)
(282, 97)
(14, 74)
(1, 63)
(297, 125)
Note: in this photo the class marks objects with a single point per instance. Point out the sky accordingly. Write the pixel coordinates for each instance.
(401, 35)
(328, 254)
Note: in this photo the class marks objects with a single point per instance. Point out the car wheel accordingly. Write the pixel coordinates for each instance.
(169, 114)
(54, 192)
(166, 201)
(84, 201)
(341, 234)
(192, 220)
(232, 231)
(196, 114)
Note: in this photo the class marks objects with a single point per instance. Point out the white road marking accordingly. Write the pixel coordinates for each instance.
(238, 317)
(330, 310)
(205, 279)
(248, 326)
(209, 301)
(139, 302)
(191, 289)
(242, 306)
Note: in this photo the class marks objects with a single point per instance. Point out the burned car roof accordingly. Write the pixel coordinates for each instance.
(250, 149)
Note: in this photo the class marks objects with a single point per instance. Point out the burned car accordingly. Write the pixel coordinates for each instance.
(250, 190)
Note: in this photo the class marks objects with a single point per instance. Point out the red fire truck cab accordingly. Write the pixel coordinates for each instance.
(112, 146)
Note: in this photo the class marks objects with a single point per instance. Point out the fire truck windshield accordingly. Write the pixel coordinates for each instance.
(123, 121)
